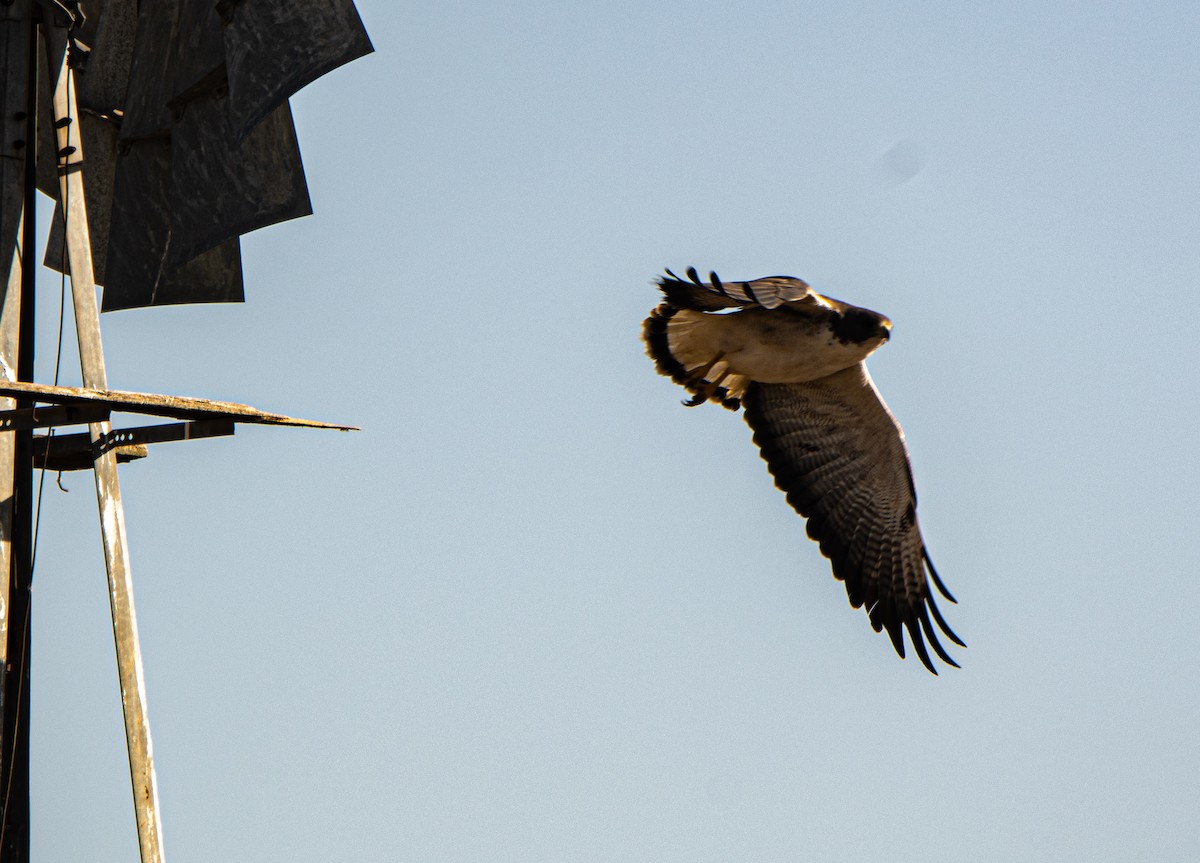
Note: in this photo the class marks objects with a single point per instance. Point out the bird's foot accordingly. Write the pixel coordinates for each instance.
(709, 388)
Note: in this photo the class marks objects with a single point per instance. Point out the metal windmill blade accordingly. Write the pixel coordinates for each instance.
(189, 135)
(162, 130)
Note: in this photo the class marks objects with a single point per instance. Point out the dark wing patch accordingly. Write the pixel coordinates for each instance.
(838, 454)
(716, 295)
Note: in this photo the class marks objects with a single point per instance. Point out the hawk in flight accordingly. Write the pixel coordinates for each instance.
(795, 361)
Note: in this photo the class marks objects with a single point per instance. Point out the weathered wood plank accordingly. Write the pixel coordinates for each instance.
(108, 489)
(10, 316)
(177, 407)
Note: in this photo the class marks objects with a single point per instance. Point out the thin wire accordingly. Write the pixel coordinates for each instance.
(26, 260)
(37, 512)
(62, 304)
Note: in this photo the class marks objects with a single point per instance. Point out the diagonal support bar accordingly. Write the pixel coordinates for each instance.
(108, 490)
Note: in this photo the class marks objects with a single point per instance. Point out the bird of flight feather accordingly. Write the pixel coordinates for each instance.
(794, 360)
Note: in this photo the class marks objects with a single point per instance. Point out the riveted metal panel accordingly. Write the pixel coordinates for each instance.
(151, 78)
(273, 49)
(137, 273)
(189, 136)
(222, 187)
(99, 169)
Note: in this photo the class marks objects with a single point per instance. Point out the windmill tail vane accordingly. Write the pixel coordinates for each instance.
(168, 135)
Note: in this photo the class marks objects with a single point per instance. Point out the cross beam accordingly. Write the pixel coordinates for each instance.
(179, 407)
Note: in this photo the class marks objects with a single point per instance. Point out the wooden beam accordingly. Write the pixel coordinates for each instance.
(21, 36)
(108, 490)
(10, 314)
(14, 840)
(177, 407)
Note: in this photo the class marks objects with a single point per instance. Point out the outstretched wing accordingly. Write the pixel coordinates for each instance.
(838, 453)
(716, 295)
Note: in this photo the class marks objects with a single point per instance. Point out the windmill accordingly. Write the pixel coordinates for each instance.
(162, 131)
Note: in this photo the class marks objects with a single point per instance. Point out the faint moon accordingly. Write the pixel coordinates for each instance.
(899, 163)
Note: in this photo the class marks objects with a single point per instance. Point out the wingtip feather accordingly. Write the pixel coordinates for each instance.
(896, 634)
(941, 622)
(936, 578)
(931, 634)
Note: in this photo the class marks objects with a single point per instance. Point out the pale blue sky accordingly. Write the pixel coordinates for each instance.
(536, 610)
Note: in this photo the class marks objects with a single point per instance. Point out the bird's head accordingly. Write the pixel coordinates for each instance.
(858, 326)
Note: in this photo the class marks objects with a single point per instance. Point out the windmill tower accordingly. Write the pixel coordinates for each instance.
(162, 131)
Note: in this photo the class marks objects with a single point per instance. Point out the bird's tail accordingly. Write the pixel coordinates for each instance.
(676, 339)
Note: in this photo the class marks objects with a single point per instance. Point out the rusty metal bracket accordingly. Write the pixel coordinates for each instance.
(77, 451)
(167, 432)
(66, 453)
(23, 419)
